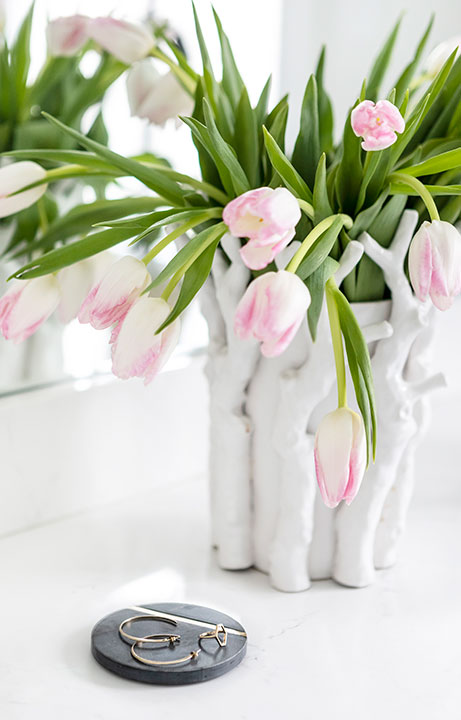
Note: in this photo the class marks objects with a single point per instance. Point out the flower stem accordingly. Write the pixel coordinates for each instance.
(337, 340)
(306, 208)
(186, 81)
(420, 188)
(312, 237)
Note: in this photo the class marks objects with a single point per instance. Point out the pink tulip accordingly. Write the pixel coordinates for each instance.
(377, 124)
(14, 177)
(67, 35)
(27, 305)
(156, 97)
(268, 218)
(125, 41)
(340, 456)
(434, 262)
(271, 310)
(110, 299)
(137, 351)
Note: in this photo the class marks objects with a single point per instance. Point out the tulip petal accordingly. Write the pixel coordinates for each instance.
(15, 176)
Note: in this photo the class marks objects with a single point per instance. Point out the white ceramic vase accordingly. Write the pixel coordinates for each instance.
(266, 510)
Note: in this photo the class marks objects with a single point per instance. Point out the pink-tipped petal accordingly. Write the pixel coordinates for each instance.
(66, 36)
(377, 124)
(27, 305)
(125, 41)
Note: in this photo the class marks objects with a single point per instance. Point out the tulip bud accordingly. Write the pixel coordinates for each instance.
(377, 124)
(110, 299)
(440, 55)
(67, 35)
(14, 177)
(27, 305)
(268, 218)
(156, 97)
(434, 263)
(271, 310)
(137, 351)
(125, 41)
(340, 456)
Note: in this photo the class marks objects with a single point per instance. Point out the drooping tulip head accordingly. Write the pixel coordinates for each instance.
(271, 310)
(110, 299)
(340, 456)
(377, 124)
(66, 36)
(26, 305)
(156, 97)
(125, 41)
(137, 351)
(434, 263)
(267, 218)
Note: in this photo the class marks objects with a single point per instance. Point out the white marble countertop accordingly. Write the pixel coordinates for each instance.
(391, 650)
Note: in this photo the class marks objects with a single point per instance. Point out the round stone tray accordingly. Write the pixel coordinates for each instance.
(114, 654)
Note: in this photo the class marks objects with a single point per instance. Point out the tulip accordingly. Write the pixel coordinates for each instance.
(340, 455)
(14, 177)
(272, 310)
(137, 351)
(377, 124)
(110, 299)
(67, 35)
(76, 282)
(268, 218)
(27, 305)
(434, 263)
(156, 97)
(440, 55)
(125, 41)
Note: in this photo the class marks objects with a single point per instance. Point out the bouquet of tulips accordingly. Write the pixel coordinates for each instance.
(397, 151)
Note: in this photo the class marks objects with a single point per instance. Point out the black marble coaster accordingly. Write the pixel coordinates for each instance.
(114, 654)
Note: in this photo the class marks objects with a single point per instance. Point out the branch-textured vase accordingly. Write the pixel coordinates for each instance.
(266, 511)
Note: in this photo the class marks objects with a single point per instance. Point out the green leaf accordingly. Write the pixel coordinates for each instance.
(370, 284)
(231, 78)
(357, 352)
(82, 217)
(364, 219)
(289, 175)
(226, 153)
(194, 278)
(373, 160)
(62, 257)
(349, 173)
(452, 210)
(306, 153)
(398, 189)
(445, 161)
(324, 107)
(201, 240)
(317, 253)
(406, 77)
(261, 107)
(316, 284)
(152, 178)
(246, 139)
(20, 59)
(381, 64)
(322, 207)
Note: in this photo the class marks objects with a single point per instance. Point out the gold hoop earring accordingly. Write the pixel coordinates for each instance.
(219, 634)
(139, 643)
(156, 638)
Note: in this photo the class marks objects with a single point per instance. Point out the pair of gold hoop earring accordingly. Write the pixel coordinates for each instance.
(219, 633)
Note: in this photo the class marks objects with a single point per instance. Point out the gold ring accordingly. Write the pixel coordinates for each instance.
(157, 638)
(219, 634)
(191, 656)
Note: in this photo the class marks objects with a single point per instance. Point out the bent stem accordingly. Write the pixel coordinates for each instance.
(313, 236)
(420, 189)
(175, 234)
(306, 208)
(186, 80)
(337, 341)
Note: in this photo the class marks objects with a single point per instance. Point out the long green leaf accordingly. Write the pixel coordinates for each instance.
(306, 152)
(320, 250)
(152, 178)
(325, 108)
(246, 139)
(445, 161)
(231, 79)
(316, 284)
(289, 175)
(405, 78)
(321, 202)
(226, 153)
